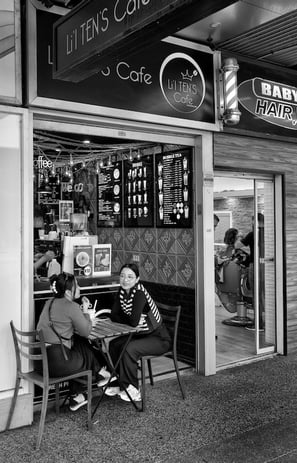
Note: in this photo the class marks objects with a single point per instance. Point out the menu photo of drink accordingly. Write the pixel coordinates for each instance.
(139, 192)
(173, 174)
(110, 195)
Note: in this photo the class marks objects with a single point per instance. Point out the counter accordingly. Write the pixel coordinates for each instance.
(100, 289)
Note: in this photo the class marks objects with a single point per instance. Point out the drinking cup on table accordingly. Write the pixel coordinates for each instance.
(86, 305)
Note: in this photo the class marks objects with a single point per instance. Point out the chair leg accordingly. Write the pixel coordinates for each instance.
(149, 365)
(178, 377)
(13, 402)
(89, 405)
(42, 415)
(143, 385)
(57, 398)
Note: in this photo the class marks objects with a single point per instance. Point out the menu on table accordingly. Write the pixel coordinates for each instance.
(110, 196)
(139, 192)
(173, 173)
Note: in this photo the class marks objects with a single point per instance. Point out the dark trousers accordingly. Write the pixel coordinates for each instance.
(81, 357)
(155, 343)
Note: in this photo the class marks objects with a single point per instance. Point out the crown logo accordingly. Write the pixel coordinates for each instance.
(186, 75)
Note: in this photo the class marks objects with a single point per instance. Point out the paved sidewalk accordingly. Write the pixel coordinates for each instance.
(243, 415)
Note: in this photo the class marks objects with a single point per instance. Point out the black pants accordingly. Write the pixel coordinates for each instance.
(155, 343)
(81, 357)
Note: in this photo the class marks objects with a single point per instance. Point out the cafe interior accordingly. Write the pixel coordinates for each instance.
(81, 202)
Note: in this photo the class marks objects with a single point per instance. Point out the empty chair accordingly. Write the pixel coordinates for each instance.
(171, 316)
(31, 345)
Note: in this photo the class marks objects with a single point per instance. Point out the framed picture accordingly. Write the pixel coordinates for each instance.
(65, 211)
(101, 259)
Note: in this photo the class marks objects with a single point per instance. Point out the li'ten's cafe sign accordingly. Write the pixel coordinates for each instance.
(98, 31)
(270, 101)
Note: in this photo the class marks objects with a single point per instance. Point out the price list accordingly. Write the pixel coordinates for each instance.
(139, 192)
(109, 196)
(173, 174)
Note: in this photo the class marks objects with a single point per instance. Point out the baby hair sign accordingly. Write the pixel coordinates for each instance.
(101, 259)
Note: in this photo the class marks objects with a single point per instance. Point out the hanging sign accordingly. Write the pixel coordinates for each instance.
(174, 83)
(99, 32)
(274, 102)
(110, 196)
(173, 173)
(139, 192)
(267, 97)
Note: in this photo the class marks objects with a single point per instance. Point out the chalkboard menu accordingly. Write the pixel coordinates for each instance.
(110, 196)
(173, 174)
(139, 192)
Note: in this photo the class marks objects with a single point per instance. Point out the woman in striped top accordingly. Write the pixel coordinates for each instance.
(134, 306)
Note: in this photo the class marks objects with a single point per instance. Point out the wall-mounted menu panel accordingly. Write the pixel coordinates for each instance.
(110, 196)
(139, 192)
(173, 173)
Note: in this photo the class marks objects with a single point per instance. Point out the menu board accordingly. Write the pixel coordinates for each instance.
(139, 192)
(173, 173)
(109, 196)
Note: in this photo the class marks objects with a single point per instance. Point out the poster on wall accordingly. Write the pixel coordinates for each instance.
(139, 192)
(173, 174)
(110, 195)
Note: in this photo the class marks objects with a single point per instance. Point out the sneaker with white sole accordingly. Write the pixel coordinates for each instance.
(77, 402)
(111, 391)
(134, 393)
(105, 375)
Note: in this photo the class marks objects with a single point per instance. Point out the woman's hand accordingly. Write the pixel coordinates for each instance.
(142, 320)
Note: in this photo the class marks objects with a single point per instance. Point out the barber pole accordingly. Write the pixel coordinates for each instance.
(231, 114)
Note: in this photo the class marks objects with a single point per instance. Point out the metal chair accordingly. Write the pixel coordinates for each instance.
(170, 315)
(31, 345)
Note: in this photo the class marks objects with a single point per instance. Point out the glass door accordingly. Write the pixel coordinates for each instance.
(245, 266)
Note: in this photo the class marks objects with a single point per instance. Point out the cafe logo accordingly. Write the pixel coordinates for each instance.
(272, 102)
(182, 82)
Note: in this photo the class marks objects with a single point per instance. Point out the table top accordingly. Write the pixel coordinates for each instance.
(105, 328)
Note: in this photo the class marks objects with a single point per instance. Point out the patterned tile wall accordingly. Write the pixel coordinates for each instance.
(164, 255)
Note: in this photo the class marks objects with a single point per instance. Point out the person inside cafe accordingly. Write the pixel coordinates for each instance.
(134, 306)
(66, 326)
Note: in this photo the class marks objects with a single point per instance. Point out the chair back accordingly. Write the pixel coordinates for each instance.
(103, 313)
(170, 315)
(29, 345)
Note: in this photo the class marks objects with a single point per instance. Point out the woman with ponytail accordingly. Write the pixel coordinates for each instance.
(66, 326)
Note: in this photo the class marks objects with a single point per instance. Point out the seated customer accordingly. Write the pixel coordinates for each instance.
(67, 352)
(134, 306)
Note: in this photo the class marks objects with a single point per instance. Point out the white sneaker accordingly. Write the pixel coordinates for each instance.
(111, 391)
(77, 401)
(105, 375)
(134, 393)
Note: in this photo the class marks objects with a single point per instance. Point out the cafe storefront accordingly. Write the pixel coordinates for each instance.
(141, 117)
(146, 183)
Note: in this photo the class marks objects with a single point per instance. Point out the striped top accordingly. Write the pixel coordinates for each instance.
(136, 309)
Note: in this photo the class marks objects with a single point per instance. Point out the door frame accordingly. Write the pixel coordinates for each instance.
(277, 178)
